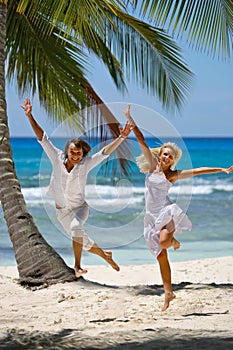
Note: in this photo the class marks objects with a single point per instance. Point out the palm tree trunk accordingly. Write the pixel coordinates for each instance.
(37, 262)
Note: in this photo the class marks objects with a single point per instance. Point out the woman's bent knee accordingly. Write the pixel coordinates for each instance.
(166, 237)
(165, 243)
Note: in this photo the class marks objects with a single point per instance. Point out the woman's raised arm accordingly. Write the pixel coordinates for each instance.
(140, 138)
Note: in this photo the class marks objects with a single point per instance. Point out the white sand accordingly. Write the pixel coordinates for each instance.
(110, 308)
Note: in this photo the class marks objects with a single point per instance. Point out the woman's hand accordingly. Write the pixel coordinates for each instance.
(228, 170)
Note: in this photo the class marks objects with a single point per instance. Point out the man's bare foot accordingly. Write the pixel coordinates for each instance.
(110, 260)
(109, 253)
(169, 296)
(79, 271)
(175, 243)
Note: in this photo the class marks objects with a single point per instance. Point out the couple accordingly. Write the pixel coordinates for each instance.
(162, 218)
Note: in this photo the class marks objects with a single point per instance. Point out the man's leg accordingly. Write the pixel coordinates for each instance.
(77, 248)
(106, 255)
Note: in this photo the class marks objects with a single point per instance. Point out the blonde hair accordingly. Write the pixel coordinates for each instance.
(144, 165)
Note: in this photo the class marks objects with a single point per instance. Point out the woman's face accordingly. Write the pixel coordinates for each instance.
(75, 154)
(167, 157)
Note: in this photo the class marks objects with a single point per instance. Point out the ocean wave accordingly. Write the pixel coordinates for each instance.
(200, 189)
(36, 196)
(119, 196)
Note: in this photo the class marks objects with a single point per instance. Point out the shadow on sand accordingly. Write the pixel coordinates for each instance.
(156, 289)
(144, 339)
(73, 339)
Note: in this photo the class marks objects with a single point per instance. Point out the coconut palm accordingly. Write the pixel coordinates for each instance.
(47, 45)
(37, 262)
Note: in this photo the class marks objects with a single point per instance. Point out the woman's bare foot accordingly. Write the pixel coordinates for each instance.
(175, 244)
(110, 260)
(79, 271)
(169, 296)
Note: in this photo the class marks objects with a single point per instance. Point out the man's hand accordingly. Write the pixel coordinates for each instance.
(126, 131)
(128, 116)
(27, 107)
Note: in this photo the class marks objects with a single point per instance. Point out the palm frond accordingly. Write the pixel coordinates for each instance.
(150, 57)
(84, 22)
(68, 12)
(58, 77)
(146, 55)
(96, 44)
(206, 25)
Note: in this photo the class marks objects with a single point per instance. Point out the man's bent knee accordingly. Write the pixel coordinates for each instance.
(83, 239)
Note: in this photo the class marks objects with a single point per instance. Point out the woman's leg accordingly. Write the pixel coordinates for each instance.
(166, 238)
(166, 277)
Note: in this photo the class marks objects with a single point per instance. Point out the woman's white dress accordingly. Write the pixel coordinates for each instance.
(160, 211)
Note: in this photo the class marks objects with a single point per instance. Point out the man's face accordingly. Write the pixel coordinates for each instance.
(75, 154)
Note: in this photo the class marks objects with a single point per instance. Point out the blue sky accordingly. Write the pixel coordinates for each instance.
(208, 111)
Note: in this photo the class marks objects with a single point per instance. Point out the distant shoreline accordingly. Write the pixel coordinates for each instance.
(147, 137)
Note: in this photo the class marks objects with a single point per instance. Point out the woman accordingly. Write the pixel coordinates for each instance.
(162, 218)
(67, 186)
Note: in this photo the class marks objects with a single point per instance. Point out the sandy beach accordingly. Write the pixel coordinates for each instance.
(122, 310)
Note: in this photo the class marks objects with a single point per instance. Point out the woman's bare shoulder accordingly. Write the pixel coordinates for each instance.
(172, 176)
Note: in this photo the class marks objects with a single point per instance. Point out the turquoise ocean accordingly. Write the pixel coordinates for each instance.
(117, 204)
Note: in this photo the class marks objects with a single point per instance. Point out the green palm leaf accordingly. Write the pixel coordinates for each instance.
(151, 58)
(207, 24)
(58, 77)
(144, 53)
